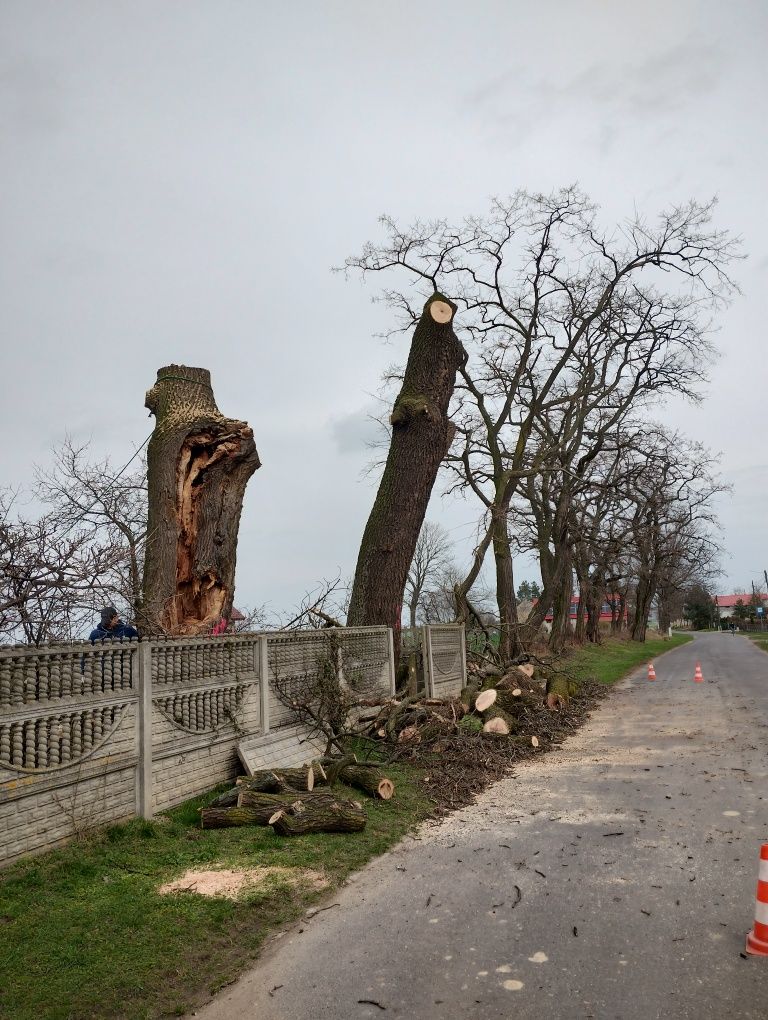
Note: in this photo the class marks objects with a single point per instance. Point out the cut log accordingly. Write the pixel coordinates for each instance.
(494, 713)
(198, 465)
(559, 685)
(267, 803)
(306, 816)
(485, 699)
(469, 693)
(527, 669)
(510, 702)
(226, 817)
(497, 725)
(369, 780)
(363, 775)
(226, 799)
(279, 780)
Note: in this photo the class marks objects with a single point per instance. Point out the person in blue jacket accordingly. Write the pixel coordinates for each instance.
(111, 627)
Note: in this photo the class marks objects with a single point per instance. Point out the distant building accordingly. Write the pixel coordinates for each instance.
(727, 603)
(605, 609)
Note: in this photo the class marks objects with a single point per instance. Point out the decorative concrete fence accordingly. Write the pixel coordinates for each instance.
(95, 734)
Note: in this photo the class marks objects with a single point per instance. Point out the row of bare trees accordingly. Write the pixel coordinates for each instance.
(541, 344)
(572, 334)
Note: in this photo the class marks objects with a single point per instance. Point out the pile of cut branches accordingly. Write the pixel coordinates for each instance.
(499, 718)
(299, 800)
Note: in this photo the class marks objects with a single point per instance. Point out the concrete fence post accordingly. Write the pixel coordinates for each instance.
(463, 646)
(392, 667)
(144, 711)
(263, 653)
(426, 658)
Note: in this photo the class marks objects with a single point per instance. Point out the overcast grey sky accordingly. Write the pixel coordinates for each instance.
(178, 177)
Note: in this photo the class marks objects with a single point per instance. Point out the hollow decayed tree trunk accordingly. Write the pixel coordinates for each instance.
(199, 463)
(421, 435)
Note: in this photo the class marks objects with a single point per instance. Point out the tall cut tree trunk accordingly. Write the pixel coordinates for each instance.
(198, 464)
(421, 435)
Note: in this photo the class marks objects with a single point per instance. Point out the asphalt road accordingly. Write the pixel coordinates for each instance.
(613, 878)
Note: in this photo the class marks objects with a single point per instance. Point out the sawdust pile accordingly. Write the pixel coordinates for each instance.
(233, 883)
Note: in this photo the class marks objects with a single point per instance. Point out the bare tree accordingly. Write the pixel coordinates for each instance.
(51, 578)
(107, 506)
(431, 560)
(675, 531)
(561, 320)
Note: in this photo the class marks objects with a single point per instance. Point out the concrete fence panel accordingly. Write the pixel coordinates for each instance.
(96, 734)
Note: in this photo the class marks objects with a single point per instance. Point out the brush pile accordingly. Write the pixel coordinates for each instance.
(516, 704)
(498, 719)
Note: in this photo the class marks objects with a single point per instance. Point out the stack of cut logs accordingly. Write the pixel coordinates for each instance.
(300, 800)
(492, 703)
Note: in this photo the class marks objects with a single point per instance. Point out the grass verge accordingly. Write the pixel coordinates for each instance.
(761, 640)
(612, 660)
(84, 932)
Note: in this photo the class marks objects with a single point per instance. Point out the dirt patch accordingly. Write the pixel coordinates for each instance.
(232, 883)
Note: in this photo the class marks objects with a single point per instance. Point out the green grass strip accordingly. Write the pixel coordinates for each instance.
(614, 659)
(84, 932)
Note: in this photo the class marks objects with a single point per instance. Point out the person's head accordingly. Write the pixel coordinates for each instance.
(109, 617)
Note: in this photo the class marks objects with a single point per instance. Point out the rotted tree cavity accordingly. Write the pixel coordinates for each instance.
(421, 435)
(198, 465)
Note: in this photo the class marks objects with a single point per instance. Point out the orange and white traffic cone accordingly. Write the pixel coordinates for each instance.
(698, 676)
(757, 940)
(651, 671)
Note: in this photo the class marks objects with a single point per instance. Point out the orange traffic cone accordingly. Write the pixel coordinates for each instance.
(698, 676)
(651, 671)
(757, 940)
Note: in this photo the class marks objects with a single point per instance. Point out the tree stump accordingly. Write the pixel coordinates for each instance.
(198, 465)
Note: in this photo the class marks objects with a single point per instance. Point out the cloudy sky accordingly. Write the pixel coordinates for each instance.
(179, 176)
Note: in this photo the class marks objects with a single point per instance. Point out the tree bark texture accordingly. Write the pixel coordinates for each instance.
(198, 464)
(646, 591)
(369, 780)
(421, 435)
(315, 816)
(509, 642)
(279, 780)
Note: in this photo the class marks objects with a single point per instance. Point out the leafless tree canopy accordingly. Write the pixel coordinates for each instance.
(570, 328)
